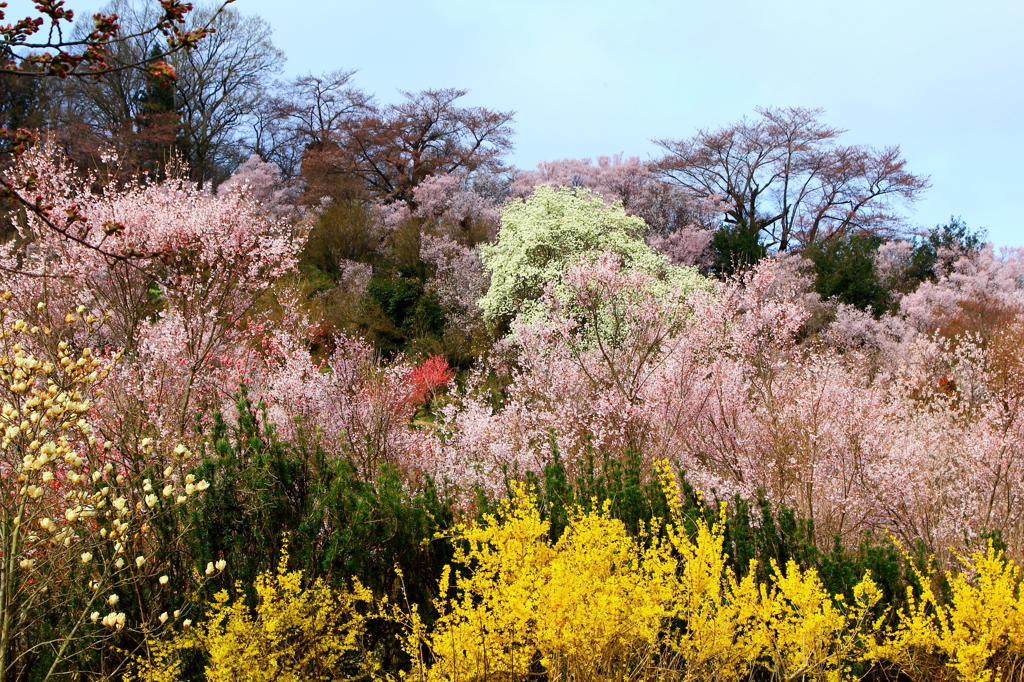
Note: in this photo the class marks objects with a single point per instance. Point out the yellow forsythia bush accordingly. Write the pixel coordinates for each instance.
(293, 634)
(599, 604)
(976, 636)
(591, 606)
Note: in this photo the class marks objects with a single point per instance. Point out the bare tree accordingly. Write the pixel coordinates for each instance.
(391, 149)
(220, 85)
(308, 113)
(789, 181)
(200, 117)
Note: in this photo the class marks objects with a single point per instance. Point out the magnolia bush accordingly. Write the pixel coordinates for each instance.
(82, 520)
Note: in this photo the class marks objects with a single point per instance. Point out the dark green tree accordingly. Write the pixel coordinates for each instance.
(845, 271)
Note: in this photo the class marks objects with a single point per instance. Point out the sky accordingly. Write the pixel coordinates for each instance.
(943, 80)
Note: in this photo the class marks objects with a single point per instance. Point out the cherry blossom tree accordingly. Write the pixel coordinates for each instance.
(173, 269)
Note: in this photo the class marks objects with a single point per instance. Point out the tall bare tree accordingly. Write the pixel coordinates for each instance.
(789, 182)
(201, 116)
(389, 150)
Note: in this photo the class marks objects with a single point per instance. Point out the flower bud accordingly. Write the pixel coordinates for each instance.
(221, 565)
(209, 568)
(164, 579)
(112, 599)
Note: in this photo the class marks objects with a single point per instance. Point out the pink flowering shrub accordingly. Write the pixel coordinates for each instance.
(352, 406)
(452, 209)
(880, 429)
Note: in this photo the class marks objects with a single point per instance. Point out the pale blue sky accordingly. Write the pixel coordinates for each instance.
(944, 80)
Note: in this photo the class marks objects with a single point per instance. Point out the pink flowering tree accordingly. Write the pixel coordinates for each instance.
(352, 406)
(870, 425)
(174, 271)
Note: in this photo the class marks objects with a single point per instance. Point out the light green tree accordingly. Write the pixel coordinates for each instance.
(553, 229)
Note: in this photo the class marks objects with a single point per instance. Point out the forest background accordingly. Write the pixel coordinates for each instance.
(264, 338)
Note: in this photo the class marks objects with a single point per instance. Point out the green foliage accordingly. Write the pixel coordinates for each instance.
(550, 230)
(845, 271)
(340, 527)
(735, 249)
(953, 237)
(413, 311)
(346, 230)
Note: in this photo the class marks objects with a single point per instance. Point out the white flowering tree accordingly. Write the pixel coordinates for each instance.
(553, 229)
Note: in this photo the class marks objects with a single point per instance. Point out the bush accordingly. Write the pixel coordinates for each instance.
(292, 633)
